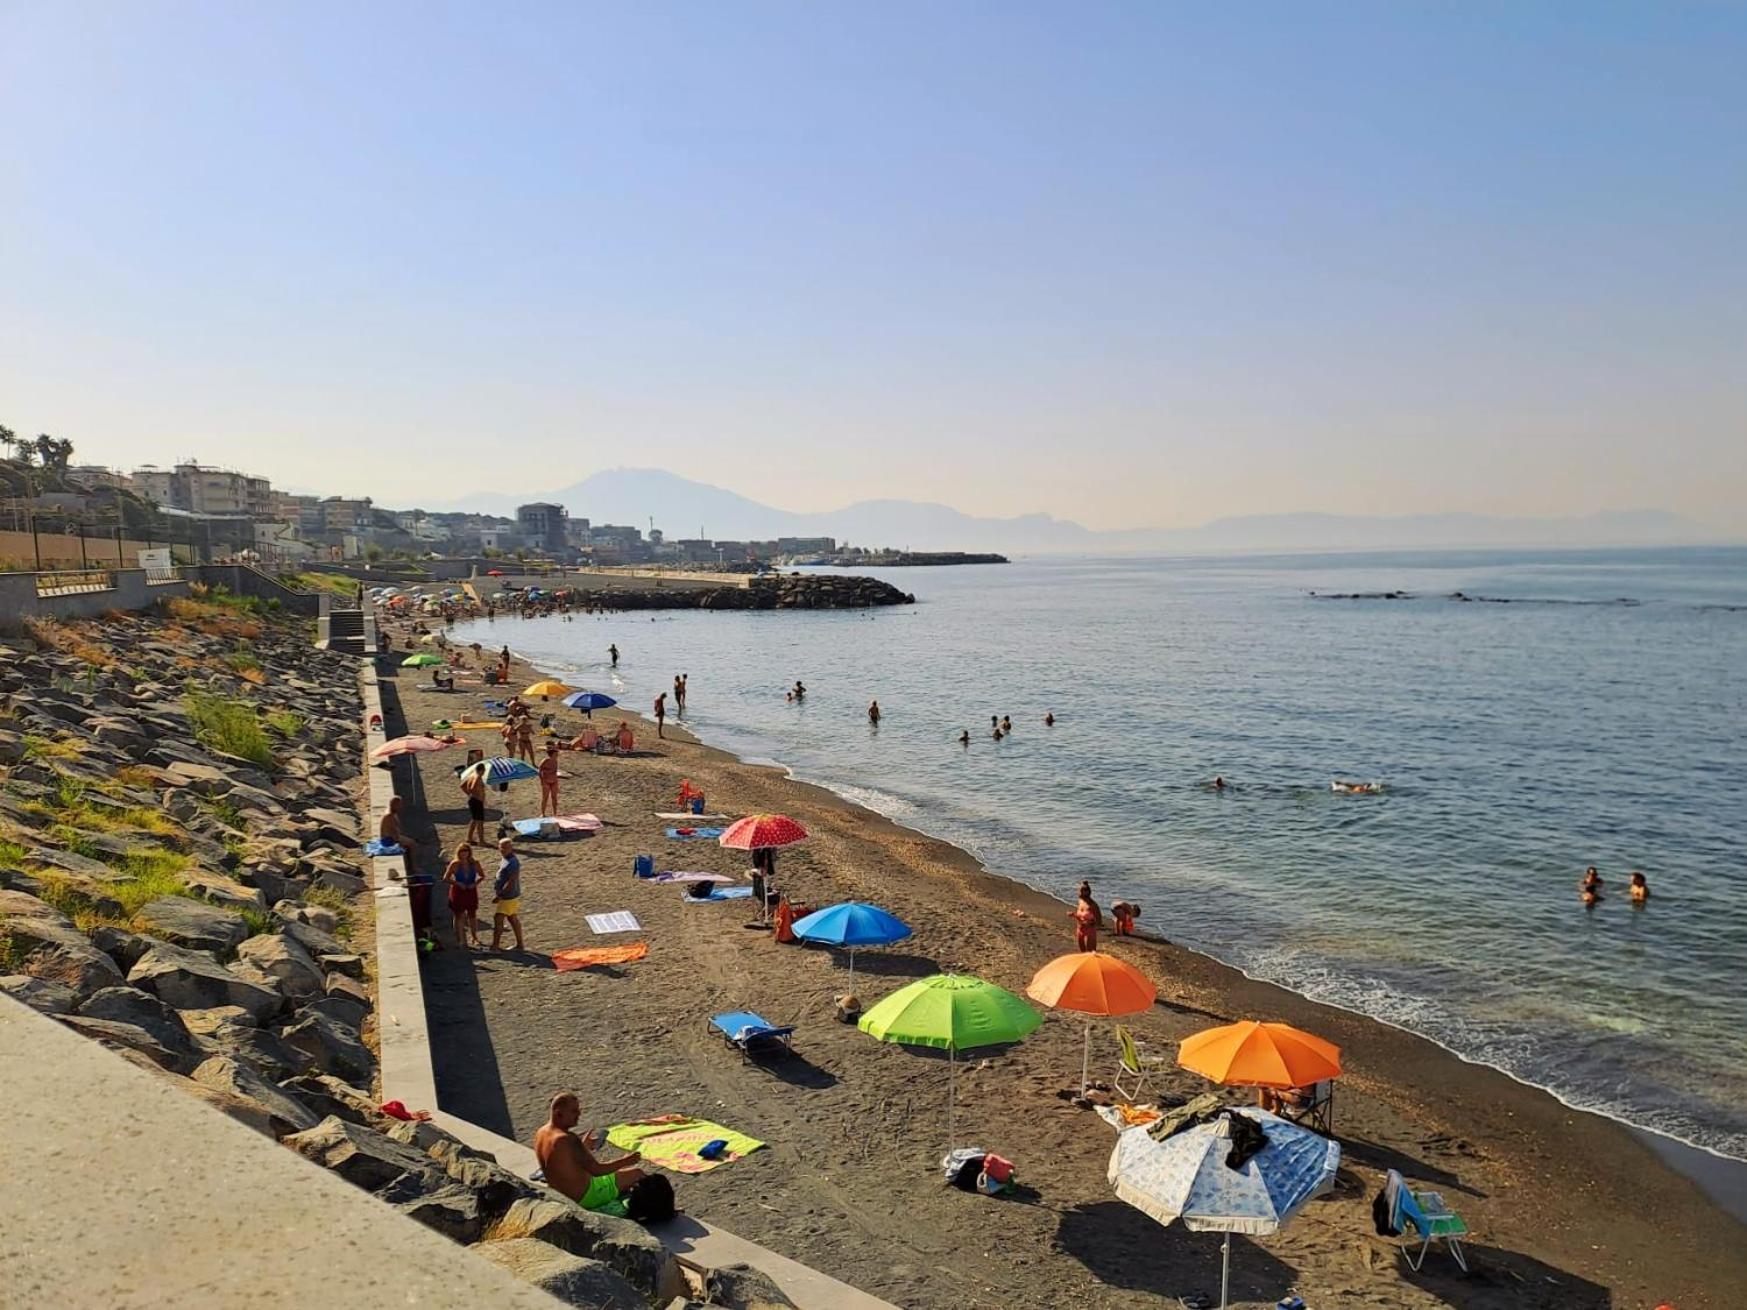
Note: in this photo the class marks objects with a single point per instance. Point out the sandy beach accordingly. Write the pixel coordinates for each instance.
(1568, 1209)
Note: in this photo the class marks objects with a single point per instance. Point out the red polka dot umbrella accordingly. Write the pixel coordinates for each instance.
(762, 831)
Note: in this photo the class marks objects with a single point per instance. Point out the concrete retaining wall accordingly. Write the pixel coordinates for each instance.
(241, 580)
(131, 591)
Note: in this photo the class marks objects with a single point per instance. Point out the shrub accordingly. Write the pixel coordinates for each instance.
(228, 725)
(287, 723)
(47, 748)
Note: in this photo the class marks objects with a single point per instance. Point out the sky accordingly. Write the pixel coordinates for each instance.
(1140, 264)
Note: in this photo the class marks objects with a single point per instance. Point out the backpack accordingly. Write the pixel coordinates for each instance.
(650, 1201)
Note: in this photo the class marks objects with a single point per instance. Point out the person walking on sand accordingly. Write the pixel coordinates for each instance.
(549, 780)
(506, 891)
(873, 713)
(525, 737)
(613, 652)
(1087, 919)
(570, 1164)
(464, 874)
(661, 715)
(473, 788)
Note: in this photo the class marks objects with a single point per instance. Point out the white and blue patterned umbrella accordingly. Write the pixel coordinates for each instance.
(1185, 1177)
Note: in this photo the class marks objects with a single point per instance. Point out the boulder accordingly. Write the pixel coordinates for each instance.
(347, 988)
(335, 825)
(120, 945)
(362, 1156)
(343, 1010)
(262, 1048)
(629, 1248)
(572, 1279)
(201, 778)
(227, 1074)
(332, 1048)
(283, 960)
(193, 925)
(332, 1097)
(97, 894)
(41, 996)
(131, 1037)
(143, 1010)
(452, 1211)
(741, 1287)
(319, 917)
(496, 1187)
(47, 946)
(251, 1114)
(313, 939)
(189, 980)
(347, 884)
(349, 964)
(53, 857)
(224, 893)
(203, 1023)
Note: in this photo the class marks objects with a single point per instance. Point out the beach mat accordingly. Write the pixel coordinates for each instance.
(665, 814)
(579, 823)
(695, 834)
(676, 876)
(672, 1143)
(587, 957)
(468, 723)
(614, 921)
(719, 894)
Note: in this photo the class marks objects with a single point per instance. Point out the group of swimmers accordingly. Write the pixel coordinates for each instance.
(1001, 726)
(1589, 890)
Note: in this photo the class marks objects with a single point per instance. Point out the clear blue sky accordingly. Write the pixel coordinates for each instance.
(1133, 264)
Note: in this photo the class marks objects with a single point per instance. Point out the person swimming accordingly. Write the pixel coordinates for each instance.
(1589, 890)
(1218, 783)
(1640, 889)
(1049, 719)
(964, 736)
(873, 713)
(1006, 724)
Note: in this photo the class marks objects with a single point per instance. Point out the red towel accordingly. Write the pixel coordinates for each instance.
(584, 957)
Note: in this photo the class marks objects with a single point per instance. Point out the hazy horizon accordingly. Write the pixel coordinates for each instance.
(1128, 267)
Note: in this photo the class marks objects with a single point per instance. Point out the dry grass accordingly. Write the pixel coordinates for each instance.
(70, 639)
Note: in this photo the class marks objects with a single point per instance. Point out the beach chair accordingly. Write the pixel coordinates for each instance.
(1428, 1218)
(1133, 1064)
(752, 1034)
(1313, 1107)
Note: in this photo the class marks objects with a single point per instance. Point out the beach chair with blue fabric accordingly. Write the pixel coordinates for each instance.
(752, 1034)
(1428, 1218)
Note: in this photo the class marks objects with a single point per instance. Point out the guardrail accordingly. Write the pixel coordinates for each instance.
(74, 582)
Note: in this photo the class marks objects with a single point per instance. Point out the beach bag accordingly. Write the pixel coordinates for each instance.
(644, 866)
(998, 1168)
(650, 1201)
(961, 1166)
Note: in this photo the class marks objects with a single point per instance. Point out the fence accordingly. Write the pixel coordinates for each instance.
(74, 583)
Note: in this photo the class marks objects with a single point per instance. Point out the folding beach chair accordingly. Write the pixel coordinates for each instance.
(1316, 1109)
(1429, 1219)
(752, 1034)
(1134, 1064)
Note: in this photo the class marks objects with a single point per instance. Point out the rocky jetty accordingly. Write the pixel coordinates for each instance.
(768, 591)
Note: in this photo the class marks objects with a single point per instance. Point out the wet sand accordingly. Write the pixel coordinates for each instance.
(1568, 1209)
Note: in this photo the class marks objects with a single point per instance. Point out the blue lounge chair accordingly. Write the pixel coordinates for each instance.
(1429, 1218)
(751, 1034)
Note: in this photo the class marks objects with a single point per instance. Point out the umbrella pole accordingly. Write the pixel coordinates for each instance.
(1086, 1060)
(852, 971)
(1225, 1275)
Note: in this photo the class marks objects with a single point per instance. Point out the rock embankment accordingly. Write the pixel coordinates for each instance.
(767, 592)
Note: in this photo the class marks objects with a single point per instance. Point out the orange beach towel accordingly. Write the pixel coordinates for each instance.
(584, 957)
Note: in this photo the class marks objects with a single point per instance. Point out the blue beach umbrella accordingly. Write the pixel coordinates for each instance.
(589, 701)
(501, 769)
(1186, 1177)
(851, 924)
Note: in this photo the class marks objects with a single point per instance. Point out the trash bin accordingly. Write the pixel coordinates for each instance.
(418, 890)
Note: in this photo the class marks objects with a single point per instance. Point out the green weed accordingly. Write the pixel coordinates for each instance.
(228, 725)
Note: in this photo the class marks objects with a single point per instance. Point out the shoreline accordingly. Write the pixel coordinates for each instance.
(1723, 1177)
(1407, 1100)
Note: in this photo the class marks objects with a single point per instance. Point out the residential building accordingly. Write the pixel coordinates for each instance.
(542, 526)
(202, 489)
(806, 545)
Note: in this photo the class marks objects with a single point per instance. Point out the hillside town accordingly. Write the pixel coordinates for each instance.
(207, 513)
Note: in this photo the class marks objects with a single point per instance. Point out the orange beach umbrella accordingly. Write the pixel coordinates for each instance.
(1256, 1054)
(1092, 983)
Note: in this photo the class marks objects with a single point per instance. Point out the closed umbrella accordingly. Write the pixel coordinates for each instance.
(1091, 983)
(951, 1012)
(1252, 1054)
(1186, 1177)
(851, 924)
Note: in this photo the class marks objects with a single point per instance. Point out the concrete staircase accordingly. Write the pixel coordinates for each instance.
(346, 632)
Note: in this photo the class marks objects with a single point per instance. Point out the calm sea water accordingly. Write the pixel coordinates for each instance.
(1598, 718)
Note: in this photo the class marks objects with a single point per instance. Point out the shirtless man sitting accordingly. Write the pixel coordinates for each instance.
(570, 1163)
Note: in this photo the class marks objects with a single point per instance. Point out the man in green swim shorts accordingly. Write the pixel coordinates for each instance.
(570, 1163)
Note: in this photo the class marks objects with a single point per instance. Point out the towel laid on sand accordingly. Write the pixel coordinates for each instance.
(672, 1142)
(665, 814)
(675, 876)
(579, 823)
(616, 921)
(719, 894)
(695, 834)
(586, 957)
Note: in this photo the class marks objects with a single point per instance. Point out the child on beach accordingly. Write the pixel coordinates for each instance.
(506, 891)
(1123, 913)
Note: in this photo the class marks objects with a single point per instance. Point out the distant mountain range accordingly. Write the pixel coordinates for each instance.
(681, 507)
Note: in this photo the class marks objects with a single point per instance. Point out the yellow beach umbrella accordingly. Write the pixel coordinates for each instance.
(546, 688)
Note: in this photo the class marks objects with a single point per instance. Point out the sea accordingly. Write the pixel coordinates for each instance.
(1525, 714)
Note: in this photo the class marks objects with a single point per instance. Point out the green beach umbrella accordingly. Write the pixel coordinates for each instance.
(424, 659)
(950, 1012)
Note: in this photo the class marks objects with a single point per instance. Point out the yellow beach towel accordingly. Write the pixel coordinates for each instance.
(672, 1142)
